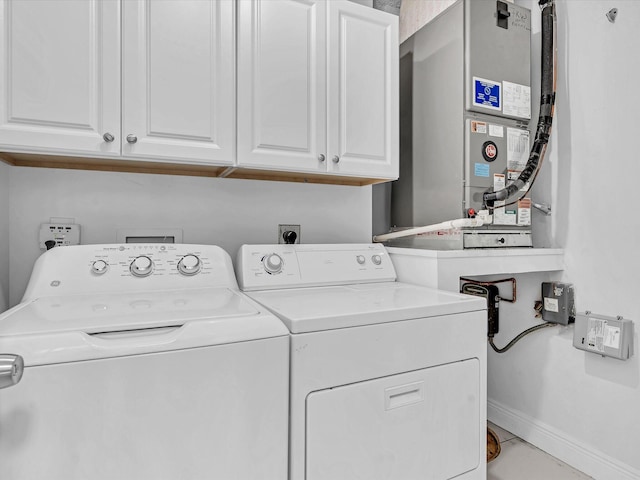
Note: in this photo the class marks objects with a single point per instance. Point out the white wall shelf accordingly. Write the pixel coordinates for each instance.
(443, 268)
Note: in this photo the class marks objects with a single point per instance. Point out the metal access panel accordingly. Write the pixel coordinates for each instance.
(465, 100)
(498, 58)
(558, 303)
(604, 335)
(496, 151)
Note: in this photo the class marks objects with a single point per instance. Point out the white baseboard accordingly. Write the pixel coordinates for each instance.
(571, 451)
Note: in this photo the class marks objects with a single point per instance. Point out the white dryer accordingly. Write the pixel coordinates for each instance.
(388, 380)
(141, 362)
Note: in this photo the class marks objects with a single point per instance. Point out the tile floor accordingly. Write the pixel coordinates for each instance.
(519, 460)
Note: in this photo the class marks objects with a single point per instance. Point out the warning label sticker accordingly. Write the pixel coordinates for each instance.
(479, 127)
(524, 211)
(487, 93)
(517, 100)
(498, 181)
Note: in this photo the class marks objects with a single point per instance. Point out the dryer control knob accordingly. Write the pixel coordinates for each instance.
(189, 265)
(141, 266)
(376, 259)
(360, 259)
(99, 267)
(272, 263)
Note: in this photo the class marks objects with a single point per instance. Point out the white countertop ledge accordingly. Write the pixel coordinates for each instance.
(443, 268)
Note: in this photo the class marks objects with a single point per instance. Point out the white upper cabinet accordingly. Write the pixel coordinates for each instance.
(363, 91)
(317, 87)
(62, 70)
(310, 87)
(282, 84)
(179, 80)
(60, 76)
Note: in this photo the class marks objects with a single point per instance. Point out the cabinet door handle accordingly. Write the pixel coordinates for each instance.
(108, 137)
(321, 158)
(132, 138)
(336, 159)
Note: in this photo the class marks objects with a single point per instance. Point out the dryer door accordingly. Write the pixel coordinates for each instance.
(417, 425)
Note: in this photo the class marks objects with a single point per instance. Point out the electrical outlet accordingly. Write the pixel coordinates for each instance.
(62, 234)
(282, 228)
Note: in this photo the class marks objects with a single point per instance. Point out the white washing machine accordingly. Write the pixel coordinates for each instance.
(141, 362)
(388, 380)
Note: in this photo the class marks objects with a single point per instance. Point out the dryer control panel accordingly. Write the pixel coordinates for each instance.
(263, 267)
(129, 267)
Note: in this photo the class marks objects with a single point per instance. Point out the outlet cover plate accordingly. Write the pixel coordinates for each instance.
(287, 227)
(63, 234)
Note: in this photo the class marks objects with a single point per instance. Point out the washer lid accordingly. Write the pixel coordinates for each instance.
(83, 327)
(326, 308)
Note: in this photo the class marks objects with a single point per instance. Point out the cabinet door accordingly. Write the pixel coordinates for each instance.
(179, 80)
(281, 84)
(60, 76)
(363, 91)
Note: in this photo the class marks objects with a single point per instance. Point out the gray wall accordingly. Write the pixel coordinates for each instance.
(5, 171)
(222, 212)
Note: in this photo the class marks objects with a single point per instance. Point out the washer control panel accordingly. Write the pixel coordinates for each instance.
(147, 260)
(261, 267)
(126, 267)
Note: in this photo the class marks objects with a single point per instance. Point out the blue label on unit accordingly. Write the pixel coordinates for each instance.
(481, 170)
(486, 93)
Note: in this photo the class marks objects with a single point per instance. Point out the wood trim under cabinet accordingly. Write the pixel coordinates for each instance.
(108, 165)
(134, 166)
(6, 158)
(256, 174)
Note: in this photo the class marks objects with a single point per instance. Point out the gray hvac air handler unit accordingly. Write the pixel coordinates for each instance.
(465, 109)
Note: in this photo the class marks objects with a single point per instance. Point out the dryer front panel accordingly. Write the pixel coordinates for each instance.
(416, 425)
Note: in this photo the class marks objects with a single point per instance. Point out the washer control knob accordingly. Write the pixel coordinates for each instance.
(189, 265)
(272, 263)
(141, 266)
(99, 267)
(376, 259)
(360, 259)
